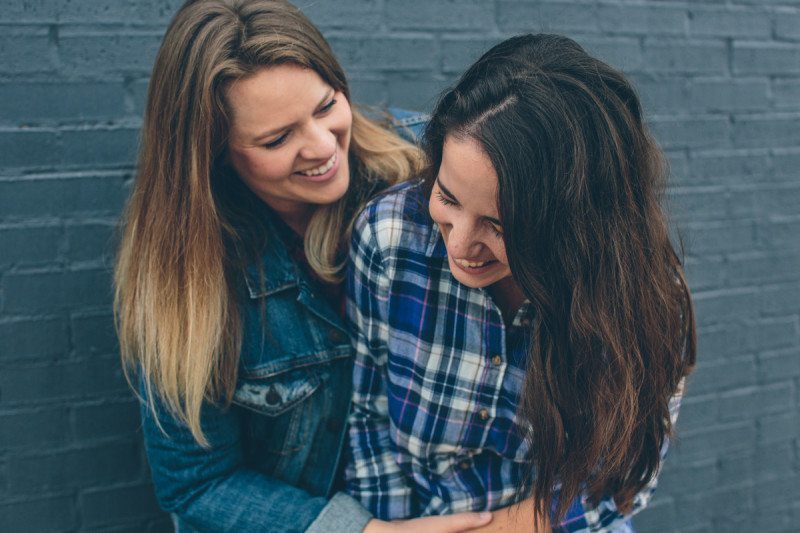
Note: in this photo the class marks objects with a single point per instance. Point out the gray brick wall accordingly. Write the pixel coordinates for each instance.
(721, 85)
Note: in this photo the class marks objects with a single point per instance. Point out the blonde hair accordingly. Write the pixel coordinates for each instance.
(190, 225)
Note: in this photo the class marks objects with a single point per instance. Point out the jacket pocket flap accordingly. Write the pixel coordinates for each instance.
(275, 397)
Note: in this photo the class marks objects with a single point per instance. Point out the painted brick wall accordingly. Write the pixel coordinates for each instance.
(721, 85)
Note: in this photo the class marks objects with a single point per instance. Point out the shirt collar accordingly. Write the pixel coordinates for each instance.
(435, 247)
(524, 315)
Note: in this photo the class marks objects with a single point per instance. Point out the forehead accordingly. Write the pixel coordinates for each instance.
(273, 96)
(467, 172)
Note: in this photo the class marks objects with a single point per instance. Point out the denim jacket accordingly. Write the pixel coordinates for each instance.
(273, 454)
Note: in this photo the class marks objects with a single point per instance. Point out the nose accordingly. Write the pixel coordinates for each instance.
(319, 142)
(461, 241)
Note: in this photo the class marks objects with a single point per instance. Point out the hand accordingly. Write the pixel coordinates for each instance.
(453, 523)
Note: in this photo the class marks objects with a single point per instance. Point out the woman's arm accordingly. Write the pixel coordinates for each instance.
(373, 476)
(581, 516)
(212, 490)
(605, 516)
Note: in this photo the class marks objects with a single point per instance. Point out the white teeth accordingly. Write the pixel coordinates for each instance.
(321, 170)
(470, 264)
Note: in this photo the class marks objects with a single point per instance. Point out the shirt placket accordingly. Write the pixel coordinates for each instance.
(496, 362)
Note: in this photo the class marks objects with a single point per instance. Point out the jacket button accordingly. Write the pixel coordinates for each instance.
(272, 397)
(464, 465)
(337, 337)
(497, 360)
(484, 414)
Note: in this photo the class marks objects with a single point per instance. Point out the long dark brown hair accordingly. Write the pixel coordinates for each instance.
(580, 183)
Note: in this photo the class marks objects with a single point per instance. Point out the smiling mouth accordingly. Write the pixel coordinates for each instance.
(321, 169)
(463, 263)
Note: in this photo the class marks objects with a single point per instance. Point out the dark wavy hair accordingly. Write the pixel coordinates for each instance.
(580, 183)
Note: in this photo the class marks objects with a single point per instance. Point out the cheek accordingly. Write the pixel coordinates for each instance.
(343, 122)
(433, 210)
(437, 213)
(260, 167)
(499, 250)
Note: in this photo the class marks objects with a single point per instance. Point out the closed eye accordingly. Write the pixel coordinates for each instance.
(443, 199)
(321, 111)
(277, 142)
(327, 107)
(497, 232)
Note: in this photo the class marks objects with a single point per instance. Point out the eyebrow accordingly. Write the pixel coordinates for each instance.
(275, 131)
(447, 192)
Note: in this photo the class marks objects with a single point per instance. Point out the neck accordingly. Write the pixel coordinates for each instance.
(297, 220)
(298, 226)
(508, 296)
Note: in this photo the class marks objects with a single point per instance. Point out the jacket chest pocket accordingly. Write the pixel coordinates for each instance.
(283, 413)
(275, 397)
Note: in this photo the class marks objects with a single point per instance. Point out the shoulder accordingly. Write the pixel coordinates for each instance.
(396, 222)
(408, 124)
(404, 117)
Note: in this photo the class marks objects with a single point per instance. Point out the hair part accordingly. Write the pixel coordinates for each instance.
(191, 224)
(580, 182)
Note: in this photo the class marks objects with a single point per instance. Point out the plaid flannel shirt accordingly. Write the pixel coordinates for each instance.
(437, 380)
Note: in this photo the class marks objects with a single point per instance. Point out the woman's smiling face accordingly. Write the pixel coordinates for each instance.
(289, 139)
(463, 203)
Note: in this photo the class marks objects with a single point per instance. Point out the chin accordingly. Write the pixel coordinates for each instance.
(334, 187)
(471, 283)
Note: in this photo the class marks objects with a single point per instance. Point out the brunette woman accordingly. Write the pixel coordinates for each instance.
(228, 291)
(523, 322)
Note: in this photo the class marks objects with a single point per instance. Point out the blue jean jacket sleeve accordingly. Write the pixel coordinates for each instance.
(210, 489)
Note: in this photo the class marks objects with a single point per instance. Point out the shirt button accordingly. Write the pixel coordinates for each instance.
(497, 360)
(484, 414)
(464, 465)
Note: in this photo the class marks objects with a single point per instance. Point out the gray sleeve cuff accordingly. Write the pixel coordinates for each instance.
(342, 513)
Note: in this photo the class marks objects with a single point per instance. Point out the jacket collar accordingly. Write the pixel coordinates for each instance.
(279, 271)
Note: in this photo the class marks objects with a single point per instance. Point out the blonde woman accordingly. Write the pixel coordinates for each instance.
(228, 286)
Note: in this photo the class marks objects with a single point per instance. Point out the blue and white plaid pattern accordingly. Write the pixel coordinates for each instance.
(437, 379)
